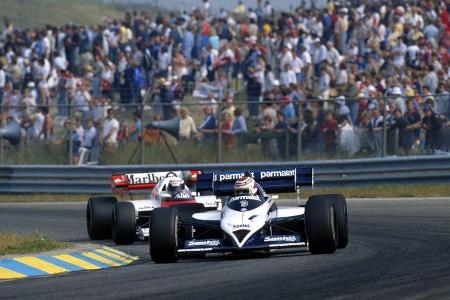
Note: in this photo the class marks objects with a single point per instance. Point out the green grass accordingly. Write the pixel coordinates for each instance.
(36, 13)
(154, 153)
(379, 191)
(36, 242)
(385, 191)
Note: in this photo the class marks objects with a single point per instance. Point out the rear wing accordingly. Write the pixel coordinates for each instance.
(147, 181)
(286, 180)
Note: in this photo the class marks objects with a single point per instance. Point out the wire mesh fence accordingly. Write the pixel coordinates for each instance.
(201, 129)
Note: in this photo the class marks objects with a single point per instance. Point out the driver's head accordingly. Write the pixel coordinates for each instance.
(245, 185)
(175, 185)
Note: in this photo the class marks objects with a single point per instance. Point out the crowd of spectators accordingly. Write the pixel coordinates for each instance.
(341, 75)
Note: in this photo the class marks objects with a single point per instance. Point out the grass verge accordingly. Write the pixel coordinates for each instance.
(379, 191)
(13, 243)
(385, 191)
(35, 13)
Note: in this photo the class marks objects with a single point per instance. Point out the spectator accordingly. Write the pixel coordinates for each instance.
(110, 130)
(412, 132)
(281, 128)
(393, 49)
(47, 131)
(254, 89)
(329, 133)
(88, 142)
(288, 109)
(287, 77)
(348, 142)
(82, 101)
(165, 98)
(239, 126)
(400, 124)
(432, 126)
(187, 126)
(376, 129)
(268, 142)
(136, 129)
(227, 136)
(2, 83)
(208, 127)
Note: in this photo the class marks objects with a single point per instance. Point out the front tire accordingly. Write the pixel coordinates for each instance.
(99, 217)
(340, 205)
(164, 235)
(124, 223)
(185, 212)
(321, 225)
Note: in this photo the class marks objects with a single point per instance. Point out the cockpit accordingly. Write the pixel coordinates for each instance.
(245, 202)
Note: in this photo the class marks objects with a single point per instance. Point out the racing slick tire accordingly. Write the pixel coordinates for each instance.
(321, 225)
(124, 223)
(99, 217)
(164, 235)
(340, 204)
(185, 211)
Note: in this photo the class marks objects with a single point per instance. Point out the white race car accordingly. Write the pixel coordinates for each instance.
(252, 221)
(123, 221)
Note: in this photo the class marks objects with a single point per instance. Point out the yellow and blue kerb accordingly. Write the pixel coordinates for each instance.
(42, 265)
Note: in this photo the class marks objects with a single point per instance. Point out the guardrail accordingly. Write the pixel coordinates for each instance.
(331, 173)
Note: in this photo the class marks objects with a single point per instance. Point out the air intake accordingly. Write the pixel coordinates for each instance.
(241, 234)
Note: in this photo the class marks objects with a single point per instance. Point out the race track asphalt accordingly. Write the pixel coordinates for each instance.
(397, 249)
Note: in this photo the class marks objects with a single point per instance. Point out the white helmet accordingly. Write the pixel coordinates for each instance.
(245, 185)
(175, 185)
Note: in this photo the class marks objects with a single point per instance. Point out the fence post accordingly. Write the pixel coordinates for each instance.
(287, 148)
(384, 132)
(219, 134)
(71, 129)
(2, 161)
(299, 131)
(142, 133)
(396, 139)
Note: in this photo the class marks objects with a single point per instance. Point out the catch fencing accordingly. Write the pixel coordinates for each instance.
(138, 145)
(332, 173)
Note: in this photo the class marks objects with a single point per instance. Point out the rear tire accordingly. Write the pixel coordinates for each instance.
(321, 225)
(124, 223)
(164, 237)
(99, 217)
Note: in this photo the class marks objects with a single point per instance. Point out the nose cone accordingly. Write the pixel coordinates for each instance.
(240, 226)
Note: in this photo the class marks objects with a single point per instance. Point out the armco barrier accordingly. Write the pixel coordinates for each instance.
(95, 179)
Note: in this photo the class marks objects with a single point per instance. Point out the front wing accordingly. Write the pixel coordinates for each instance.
(219, 246)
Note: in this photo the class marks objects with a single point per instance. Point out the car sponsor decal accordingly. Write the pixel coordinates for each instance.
(183, 195)
(278, 173)
(144, 178)
(246, 197)
(260, 175)
(280, 238)
(200, 243)
(287, 245)
(228, 176)
(238, 226)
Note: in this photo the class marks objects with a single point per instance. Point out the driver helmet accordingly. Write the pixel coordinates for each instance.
(245, 185)
(175, 185)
